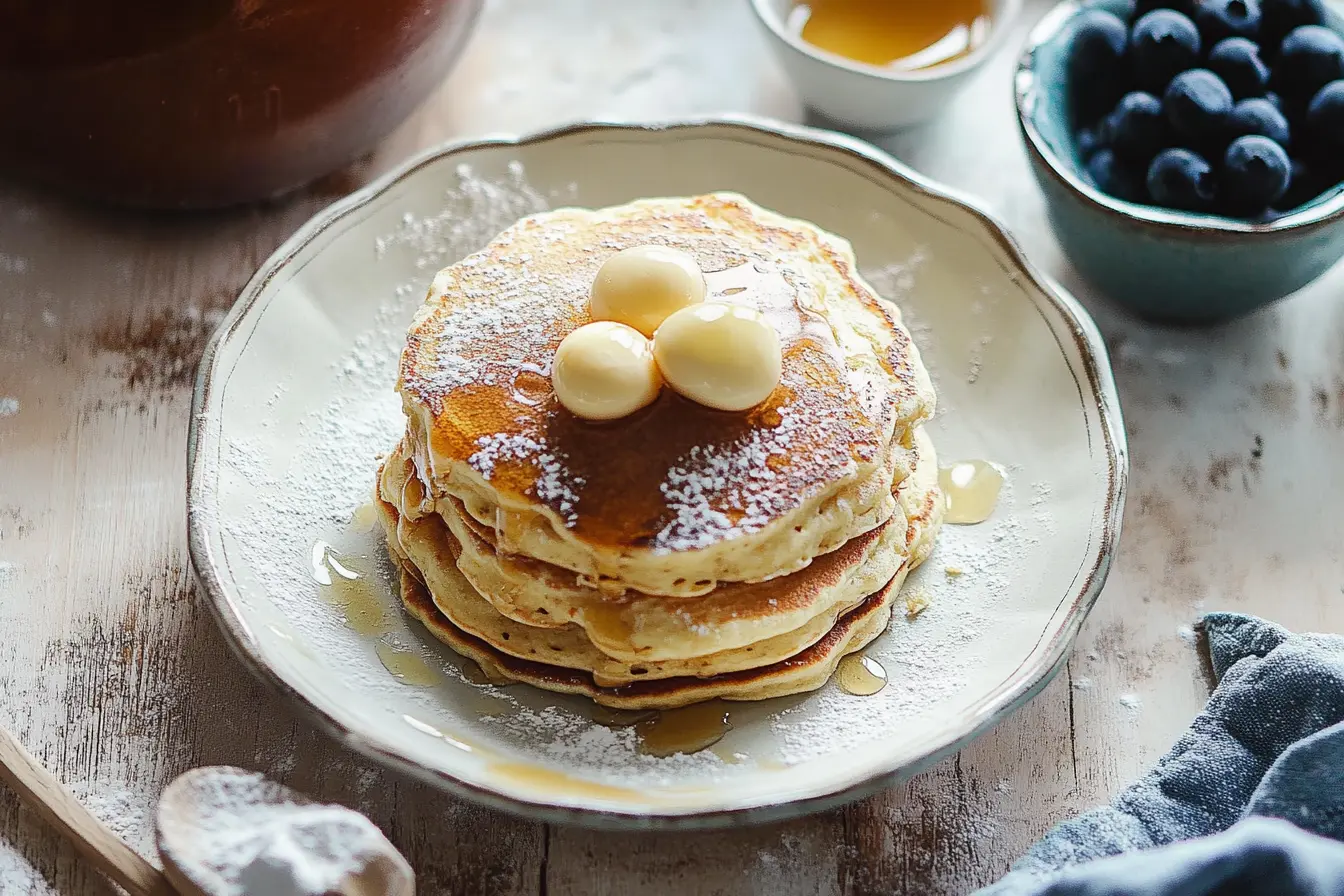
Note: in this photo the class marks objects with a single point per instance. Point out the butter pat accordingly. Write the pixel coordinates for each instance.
(605, 371)
(640, 287)
(723, 356)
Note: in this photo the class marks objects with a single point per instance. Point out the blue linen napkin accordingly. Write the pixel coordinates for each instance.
(1249, 800)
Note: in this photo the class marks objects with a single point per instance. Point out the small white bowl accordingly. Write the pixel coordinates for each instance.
(868, 97)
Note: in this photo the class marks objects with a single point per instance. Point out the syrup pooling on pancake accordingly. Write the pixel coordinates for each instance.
(664, 480)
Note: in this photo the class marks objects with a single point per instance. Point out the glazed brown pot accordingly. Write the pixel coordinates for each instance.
(198, 103)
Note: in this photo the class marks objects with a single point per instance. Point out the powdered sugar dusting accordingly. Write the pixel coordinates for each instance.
(555, 485)
(128, 814)
(457, 334)
(8, 407)
(478, 208)
(242, 835)
(571, 739)
(717, 493)
(1131, 702)
(501, 447)
(19, 877)
(720, 492)
(895, 281)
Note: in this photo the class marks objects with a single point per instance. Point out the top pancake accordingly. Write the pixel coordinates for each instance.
(678, 496)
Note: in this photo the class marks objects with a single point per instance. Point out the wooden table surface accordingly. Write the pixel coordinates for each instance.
(113, 673)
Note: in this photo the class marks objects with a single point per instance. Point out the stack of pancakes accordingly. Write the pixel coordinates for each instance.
(680, 553)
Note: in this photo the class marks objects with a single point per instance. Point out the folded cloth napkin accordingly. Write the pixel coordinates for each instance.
(1258, 778)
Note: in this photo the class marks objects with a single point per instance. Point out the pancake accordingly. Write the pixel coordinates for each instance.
(676, 498)
(733, 626)
(570, 647)
(798, 674)
(680, 553)
(866, 505)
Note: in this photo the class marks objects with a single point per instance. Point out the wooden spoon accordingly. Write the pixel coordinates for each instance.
(41, 792)
(193, 811)
(205, 813)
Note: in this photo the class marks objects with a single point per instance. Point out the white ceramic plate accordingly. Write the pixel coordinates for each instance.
(295, 402)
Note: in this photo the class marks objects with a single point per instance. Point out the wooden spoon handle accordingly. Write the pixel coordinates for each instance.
(42, 793)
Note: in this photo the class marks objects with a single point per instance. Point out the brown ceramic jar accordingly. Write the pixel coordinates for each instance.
(196, 103)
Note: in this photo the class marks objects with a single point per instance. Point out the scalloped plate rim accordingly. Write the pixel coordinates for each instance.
(1032, 676)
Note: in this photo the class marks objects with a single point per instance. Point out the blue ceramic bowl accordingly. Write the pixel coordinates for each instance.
(1162, 264)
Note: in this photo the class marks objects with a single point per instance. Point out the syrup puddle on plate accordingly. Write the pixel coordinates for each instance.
(350, 590)
(364, 518)
(675, 731)
(555, 781)
(860, 675)
(406, 665)
(687, 730)
(621, 718)
(971, 490)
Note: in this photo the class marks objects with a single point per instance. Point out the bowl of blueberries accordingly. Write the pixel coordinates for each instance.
(1191, 152)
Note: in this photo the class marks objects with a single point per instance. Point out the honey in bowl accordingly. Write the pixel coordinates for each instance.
(903, 35)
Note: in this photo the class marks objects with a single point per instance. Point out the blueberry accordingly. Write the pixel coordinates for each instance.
(1096, 57)
(1309, 58)
(1256, 173)
(1325, 117)
(1089, 141)
(1163, 44)
(1184, 7)
(1124, 9)
(1304, 186)
(1237, 61)
(1138, 128)
(1116, 177)
(1273, 99)
(1278, 17)
(1221, 19)
(1098, 44)
(1178, 178)
(1197, 104)
(1258, 116)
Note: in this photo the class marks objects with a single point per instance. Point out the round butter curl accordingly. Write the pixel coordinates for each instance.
(640, 287)
(604, 371)
(723, 356)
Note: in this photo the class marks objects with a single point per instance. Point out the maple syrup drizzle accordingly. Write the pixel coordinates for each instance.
(971, 490)
(860, 675)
